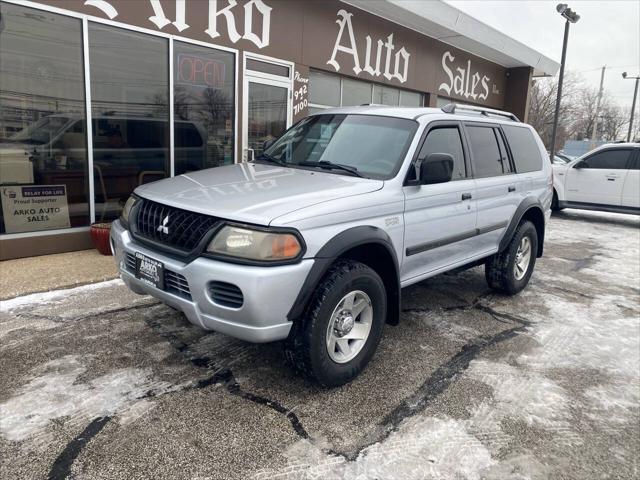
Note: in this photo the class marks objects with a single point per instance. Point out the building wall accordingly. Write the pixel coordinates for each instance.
(306, 37)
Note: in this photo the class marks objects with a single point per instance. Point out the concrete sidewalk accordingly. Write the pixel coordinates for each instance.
(52, 272)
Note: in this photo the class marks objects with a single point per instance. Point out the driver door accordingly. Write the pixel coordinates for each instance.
(598, 178)
(440, 219)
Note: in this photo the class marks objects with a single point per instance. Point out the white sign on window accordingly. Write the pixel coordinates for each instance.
(34, 207)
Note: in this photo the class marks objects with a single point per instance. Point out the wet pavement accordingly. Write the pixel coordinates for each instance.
(97, 382)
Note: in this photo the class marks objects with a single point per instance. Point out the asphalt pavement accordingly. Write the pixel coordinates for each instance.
(97, 382)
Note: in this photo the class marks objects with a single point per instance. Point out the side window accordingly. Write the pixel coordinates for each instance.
(446, 140)
(524, 148)
(607, 160)
(635, 164)
(486, 157)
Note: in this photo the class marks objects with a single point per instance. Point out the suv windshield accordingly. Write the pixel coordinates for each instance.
(370, 146)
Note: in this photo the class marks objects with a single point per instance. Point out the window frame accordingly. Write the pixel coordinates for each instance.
(437, 124)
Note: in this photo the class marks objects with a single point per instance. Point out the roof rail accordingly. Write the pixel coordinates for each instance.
(452, 107)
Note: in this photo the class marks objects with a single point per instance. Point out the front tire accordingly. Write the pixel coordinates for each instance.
(509, 271)
(342, 327)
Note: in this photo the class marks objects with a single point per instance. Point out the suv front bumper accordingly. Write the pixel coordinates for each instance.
(268, 292)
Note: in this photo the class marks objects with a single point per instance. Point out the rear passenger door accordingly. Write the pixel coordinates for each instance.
(598, 178)
(631, 188)
(439, 219)
(498, 190)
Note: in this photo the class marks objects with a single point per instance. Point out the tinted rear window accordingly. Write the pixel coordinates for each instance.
(487, 161)
(526, 154)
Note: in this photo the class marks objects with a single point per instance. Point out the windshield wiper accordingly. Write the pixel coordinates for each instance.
(270, 159)
(333, 166)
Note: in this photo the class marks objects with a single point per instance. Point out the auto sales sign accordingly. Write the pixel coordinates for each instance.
(32, 208)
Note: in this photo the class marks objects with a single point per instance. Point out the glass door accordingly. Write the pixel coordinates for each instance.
(267, 103)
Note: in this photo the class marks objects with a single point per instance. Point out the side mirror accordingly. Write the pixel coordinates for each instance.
(581, 164)
(268, 143)
(436, 168)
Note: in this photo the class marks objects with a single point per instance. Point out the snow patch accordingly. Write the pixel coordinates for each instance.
(53, 393)
(53, 295)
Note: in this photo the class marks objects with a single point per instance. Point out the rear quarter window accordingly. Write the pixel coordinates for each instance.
(524, 148)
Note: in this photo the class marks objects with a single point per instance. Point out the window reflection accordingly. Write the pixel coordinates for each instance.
(267, 115)
(43, 154)
(129, 92)
(203, 107)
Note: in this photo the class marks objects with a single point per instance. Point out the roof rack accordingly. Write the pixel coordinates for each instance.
(452, 107)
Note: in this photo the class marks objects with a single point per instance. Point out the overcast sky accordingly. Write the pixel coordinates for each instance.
(608, 33)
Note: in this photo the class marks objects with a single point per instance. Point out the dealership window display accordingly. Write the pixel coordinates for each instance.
(43, 149)
(130, 110)
(203, 107)
(45, 161)
(328, 90)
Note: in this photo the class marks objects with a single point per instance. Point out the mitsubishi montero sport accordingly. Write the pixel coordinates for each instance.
(313, 241)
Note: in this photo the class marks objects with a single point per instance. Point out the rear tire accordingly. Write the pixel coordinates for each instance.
(510, 270)
(342, 327)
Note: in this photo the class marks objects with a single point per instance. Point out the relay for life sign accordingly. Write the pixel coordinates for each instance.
(33, 208)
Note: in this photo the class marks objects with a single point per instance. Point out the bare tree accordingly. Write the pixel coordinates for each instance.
(543, 103)
(577, 112)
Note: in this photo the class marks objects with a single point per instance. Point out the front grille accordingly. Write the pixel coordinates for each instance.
(226, 294)
(173, 282)
(172, 226)
(131, 262)
(176, 284)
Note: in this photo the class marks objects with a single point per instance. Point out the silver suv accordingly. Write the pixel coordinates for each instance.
(313, 241)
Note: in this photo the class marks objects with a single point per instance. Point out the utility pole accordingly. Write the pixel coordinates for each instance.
(594, 131)
(633, 104)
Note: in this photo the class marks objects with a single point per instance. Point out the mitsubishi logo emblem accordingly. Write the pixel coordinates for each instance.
(163, 227)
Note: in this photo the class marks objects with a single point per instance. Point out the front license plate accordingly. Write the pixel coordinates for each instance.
(149, 270)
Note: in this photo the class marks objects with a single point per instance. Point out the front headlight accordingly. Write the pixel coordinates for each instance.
(255, 245)
(127, 208)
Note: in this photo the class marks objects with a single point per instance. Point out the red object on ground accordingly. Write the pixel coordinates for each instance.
(100, 237)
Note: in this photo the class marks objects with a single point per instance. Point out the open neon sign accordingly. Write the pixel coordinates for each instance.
(200, 71)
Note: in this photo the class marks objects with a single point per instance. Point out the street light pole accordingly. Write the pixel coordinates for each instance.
(559, 96)
(571, 17)
(633, 104)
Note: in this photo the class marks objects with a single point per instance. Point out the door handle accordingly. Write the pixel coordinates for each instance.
(466, 196)
(611, 179)
(512, 188)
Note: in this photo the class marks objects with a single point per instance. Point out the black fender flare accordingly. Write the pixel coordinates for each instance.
(333, 249)
(526, 205)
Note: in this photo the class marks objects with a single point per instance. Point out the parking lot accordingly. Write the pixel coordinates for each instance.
(97, 382)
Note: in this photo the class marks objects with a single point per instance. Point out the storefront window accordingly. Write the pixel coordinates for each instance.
(410, 99)
(203, 107)
(130, 114)
(324, 89)
(43, 152)
(355, 92)
(386, 95)
(329, 90)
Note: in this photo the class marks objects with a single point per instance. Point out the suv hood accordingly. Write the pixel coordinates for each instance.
(254, 193)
